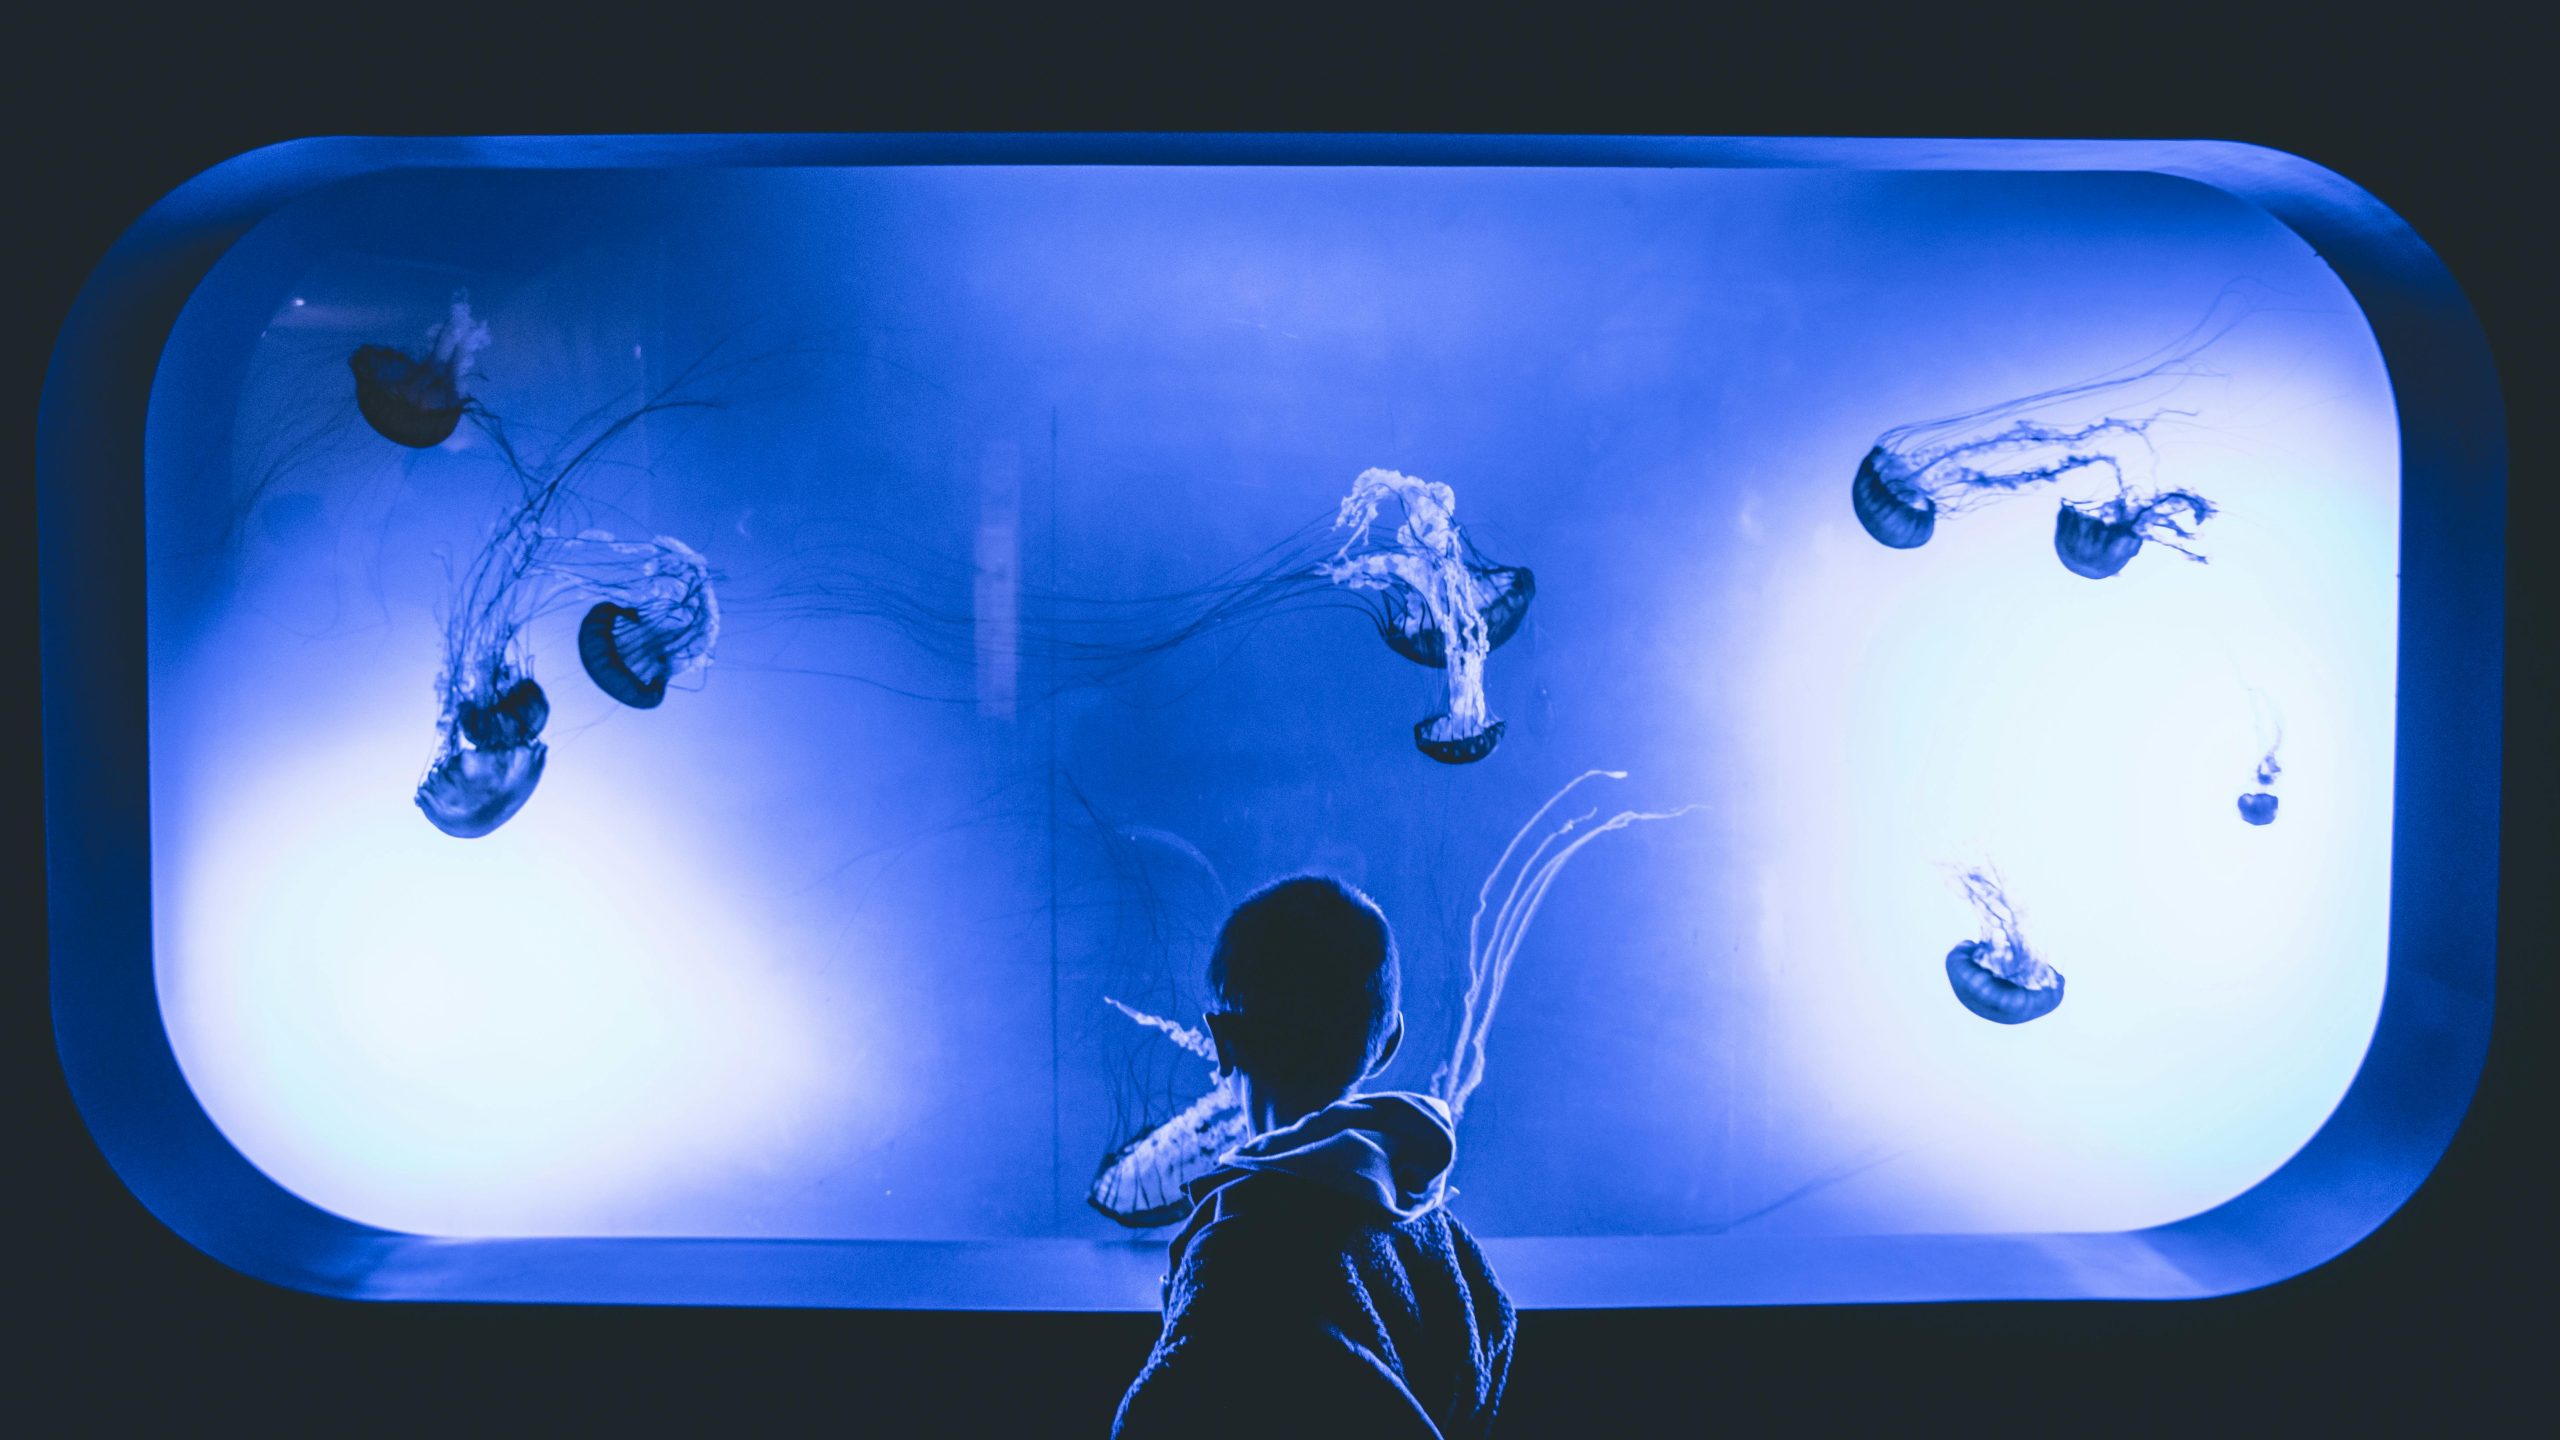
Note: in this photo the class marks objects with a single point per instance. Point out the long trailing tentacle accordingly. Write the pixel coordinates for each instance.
(1489, 964)
(2005, 951)
(1508, 945)
(1484, 897)
(2175, 361)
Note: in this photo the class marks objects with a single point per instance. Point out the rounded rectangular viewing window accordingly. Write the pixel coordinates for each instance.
(675, 720)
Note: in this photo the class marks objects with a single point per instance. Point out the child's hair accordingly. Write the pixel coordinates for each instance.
(1309, 963)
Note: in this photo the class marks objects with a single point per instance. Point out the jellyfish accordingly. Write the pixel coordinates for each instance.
(1415, 588)
(1501, 592)
(2258, 807)
(1917, 472)
(1434, 591)
(1140, 1182)
(491, 755)
(416, 398)
(656, 623)
(2098, 539)
(490, 708)
(1997, 977)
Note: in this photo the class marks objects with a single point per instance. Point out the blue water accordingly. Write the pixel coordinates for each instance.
(819, 947)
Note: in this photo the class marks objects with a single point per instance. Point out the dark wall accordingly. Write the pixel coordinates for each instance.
(2427, 1323)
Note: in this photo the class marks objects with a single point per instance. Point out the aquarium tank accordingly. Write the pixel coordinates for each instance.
(690, 711)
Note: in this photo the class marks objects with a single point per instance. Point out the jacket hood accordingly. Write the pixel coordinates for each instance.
(1391, 1149)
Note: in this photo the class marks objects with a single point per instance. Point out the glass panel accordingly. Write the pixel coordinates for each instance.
(1014, 488)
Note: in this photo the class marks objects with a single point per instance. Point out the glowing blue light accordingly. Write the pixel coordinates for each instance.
(807, 957)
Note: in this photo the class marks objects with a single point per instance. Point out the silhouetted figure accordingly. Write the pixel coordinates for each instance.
(1321, 1286)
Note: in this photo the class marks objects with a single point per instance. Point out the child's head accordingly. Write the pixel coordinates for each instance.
(1303, 990)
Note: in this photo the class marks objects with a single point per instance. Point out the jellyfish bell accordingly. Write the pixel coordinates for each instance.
(469, 792)
(405, 400)
(1997, 977)
(511, 716)
(2000, 986)
(1141, 1184)
(416, 400)
(2258, 808)
(620, 655)
(651, 629)
(1889, 505)
(2090, 545)
(2101, 539)
(1503, 593)
(1445, 740)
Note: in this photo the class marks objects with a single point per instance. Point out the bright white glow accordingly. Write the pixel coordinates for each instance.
(541, 1032)
(1974, 700)
(795, 954)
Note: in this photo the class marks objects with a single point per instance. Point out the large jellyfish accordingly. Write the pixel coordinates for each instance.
(491, 709)
(1997, 977)
(1140, 1183)
(489, 755)
(415, 398)
(1437, 601)
(1917, 472)
(1417, 586)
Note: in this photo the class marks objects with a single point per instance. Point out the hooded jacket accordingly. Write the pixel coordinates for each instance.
(1322, 1288)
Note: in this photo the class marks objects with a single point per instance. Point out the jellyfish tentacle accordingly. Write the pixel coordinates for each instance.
(1484, 892)
(2098, 540)
(486, 763)
(1919, 470)
(657, 619)
(1489, 962)
(1140, 1184)
(1182, 1035)
(2259, 807)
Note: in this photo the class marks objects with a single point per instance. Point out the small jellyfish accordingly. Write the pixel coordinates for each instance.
(1427, 561)
(1997, 977)
(1917, 472)
(2097, 540)
(2258, 807)
(416, 399)
(656, 626)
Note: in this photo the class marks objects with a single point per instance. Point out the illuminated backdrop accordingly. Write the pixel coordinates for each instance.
(802, 954)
